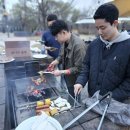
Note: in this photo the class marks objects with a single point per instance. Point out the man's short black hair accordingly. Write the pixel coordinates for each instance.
(108, 11)
(51, 17)
(57, 26)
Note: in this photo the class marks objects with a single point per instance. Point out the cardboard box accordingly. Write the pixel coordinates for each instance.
(17, 47)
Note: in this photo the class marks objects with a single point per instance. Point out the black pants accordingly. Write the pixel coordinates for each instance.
(70, 88)
(71, 91)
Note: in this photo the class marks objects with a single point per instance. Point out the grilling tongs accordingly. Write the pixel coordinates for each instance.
(108, 96)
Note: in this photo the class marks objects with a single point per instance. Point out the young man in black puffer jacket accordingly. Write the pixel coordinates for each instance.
(106, 66)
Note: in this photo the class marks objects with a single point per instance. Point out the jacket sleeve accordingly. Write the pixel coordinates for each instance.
(59, 58)
(79, 54)
(123, 91)
(84, 74)
(43, 37)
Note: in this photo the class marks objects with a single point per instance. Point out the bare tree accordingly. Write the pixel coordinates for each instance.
(41, 8)
(26, 15)
(89, 12)
(60, 8)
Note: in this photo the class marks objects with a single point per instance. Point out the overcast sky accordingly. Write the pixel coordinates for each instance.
(80, 4)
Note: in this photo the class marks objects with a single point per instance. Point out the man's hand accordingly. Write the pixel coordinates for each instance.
(77, 88)
(52, 65)
(51, 48)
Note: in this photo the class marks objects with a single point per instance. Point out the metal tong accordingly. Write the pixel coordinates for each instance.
(75, 100)
(89, 108)
(104, 113)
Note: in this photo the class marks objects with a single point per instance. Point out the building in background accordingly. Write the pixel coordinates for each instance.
(87, 26)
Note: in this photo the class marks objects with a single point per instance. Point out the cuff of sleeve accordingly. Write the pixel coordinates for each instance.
(68, 72)
(77, 82)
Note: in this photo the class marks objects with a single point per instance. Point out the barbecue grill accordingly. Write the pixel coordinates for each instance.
(25, 102)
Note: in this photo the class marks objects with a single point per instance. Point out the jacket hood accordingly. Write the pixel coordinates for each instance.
(121, 37)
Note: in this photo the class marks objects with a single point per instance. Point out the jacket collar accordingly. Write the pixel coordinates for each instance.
(70, 42)
(121, 37)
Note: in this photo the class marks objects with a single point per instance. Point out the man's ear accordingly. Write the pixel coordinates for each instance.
(115, 23)
(63, 31)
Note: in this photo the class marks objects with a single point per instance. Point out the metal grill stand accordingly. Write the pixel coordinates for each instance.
(84, 112)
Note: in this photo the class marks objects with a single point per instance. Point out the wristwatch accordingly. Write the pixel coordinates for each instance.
(63, 72)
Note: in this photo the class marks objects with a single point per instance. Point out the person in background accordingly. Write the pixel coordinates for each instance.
(107, 63)
(51, 45)
(71, 55)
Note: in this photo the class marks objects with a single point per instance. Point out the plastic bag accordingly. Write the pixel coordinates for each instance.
(117, 112)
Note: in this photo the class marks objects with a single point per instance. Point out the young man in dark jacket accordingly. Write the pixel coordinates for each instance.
(50, 39)
(106, 66)
(71, 55)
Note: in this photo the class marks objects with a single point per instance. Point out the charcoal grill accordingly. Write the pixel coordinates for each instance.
(24, 105)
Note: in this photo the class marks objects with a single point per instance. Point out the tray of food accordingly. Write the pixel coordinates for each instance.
(52, 107)
(62, 103)
(39, 56)
(6, 59)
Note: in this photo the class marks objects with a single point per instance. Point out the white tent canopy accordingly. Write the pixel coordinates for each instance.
(84, 21)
